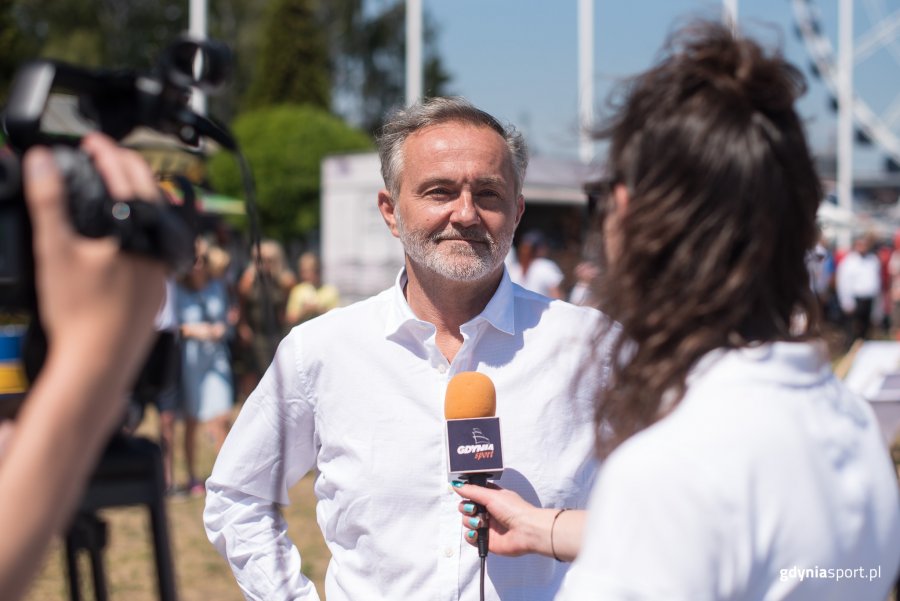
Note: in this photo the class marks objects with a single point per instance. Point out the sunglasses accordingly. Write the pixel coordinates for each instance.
(600, 194)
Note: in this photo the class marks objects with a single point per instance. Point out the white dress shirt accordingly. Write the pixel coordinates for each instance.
(858, 276)
(768, 482)
(543, 275)
(358, 394)
(166, 319)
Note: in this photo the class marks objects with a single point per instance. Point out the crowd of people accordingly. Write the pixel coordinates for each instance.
(217, 332)
(858, 288)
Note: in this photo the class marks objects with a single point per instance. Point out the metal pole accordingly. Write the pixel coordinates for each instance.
(198, 29)
(845, 111)
(585, 79)
(413, 51)
(730, 14)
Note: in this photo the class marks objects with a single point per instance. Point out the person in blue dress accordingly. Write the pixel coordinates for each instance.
(206, 381)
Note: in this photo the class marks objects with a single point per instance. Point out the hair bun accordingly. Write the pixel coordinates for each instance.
(739, 68)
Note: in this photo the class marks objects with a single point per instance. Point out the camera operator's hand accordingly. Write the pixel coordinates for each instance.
(97, 306)
(91, 295)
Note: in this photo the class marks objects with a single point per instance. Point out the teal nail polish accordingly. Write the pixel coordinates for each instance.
(473, 522)
(469, 507)
(457, 483)
(470, 534)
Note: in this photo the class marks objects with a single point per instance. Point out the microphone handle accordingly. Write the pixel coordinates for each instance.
(481, 480)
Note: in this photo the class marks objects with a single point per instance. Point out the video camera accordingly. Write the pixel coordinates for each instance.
(115, 103)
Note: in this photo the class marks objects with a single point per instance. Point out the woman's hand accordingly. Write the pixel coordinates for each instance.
(517, 527)
(514, 524)
(212, 332)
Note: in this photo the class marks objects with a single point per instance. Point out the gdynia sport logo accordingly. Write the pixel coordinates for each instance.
(482, 449)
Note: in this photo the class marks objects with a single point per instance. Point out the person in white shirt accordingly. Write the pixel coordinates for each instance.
(586, 273)
(531, 269)
(358, 393)
(858, 284)
(737, 467)
(894, 274)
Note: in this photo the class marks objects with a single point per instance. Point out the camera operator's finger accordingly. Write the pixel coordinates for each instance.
(44, 192)
(145, 185)
(124, 172)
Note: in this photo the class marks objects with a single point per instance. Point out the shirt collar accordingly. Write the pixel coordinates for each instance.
(802, 363)
(499, 312)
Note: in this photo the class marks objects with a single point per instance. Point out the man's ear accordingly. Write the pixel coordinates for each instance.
(520, 209)
(387, 208)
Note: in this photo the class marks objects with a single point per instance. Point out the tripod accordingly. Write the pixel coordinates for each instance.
(129, 473)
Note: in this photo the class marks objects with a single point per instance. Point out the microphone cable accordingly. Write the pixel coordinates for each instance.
(481, 583)
(481, 480)
(269, 325)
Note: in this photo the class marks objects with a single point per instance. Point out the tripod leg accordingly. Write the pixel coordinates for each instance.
(87, 532)
(72, 568)
(164, 570)
(98, 542)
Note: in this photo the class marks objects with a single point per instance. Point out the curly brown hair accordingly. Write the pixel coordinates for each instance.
(721, 212)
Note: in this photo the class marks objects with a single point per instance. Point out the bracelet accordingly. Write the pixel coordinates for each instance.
(552, 527)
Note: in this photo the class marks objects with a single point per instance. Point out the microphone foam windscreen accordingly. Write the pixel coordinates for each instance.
(469, 395)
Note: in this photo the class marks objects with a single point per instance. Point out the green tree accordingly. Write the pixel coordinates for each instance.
(14, 46)
(293, 64)
(348, 55)
(108, 33)
(284, 146)
(368, 50)
(237, 23)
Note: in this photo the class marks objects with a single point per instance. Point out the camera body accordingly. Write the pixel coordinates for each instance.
(115, 103)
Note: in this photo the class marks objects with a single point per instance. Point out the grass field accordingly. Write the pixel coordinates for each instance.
(202, 575)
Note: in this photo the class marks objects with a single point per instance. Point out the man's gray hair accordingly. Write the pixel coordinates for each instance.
(434, 111)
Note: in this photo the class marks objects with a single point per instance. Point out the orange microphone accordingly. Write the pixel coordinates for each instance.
(469, 395)
(473, 434)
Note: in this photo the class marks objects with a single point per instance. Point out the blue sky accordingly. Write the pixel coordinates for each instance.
(518, 58)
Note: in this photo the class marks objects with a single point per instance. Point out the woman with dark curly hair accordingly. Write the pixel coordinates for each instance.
(736, 465)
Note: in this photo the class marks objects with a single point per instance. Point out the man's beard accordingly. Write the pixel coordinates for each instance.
(461, 262)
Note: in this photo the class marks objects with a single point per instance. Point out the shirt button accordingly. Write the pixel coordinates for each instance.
(442, 369)
(448, 552)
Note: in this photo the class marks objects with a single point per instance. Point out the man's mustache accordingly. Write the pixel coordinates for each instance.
(471, 235)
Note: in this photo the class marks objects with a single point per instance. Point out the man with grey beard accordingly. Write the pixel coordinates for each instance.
(358, 393)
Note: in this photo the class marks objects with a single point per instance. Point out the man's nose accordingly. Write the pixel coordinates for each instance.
(464, 211)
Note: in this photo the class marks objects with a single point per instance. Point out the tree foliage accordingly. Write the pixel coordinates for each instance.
(355, 47)
(293, 65)
(369, 59)
(285, 145)
(14, 46)
(108, 33)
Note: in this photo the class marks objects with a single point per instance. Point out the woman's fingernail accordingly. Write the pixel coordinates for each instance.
(471, 534)
(469, 507)
(473, 522)
(457, 483)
